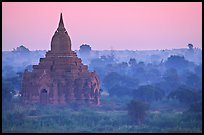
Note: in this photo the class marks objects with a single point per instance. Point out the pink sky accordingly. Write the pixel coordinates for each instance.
(105, 26)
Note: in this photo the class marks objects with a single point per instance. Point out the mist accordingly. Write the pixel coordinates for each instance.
(163, 87)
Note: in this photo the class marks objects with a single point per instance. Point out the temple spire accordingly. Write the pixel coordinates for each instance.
(61, 24)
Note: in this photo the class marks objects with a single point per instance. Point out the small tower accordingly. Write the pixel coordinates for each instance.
(61, 42)
(61, 24)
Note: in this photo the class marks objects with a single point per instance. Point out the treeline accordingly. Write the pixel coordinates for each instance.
(148, 82)
(174, 79)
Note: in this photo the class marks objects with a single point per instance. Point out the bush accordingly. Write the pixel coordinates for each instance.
(137, 111)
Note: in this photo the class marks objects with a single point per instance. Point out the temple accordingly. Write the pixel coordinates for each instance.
(60, 77)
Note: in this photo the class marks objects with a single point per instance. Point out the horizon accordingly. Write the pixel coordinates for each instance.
(150, 26)
(111, 50)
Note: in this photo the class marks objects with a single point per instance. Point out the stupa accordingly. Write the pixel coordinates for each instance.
(60, 77)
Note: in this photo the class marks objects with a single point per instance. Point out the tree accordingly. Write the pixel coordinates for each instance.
(178, 62)
(193, 81)
(111, 80)
(84, 48)
(184, 95)
(122, 67)
(190, 46)
(198, 70)
(171, 78)
(137, 111)
(109, 59)
(85, 53)
(139, 72)
(119, 84)
(153, 75)
(148, 93)
(21, 49)
(132, 62)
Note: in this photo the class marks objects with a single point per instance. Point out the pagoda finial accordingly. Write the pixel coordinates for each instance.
(61, 24)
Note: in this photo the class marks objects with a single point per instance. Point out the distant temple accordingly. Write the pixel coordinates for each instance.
(60, 77)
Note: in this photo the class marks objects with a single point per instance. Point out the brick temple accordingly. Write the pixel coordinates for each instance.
(60, 77)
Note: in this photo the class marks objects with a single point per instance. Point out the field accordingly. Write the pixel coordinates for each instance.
(109, 117)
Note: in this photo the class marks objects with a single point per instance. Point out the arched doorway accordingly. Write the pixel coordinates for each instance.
(44, 96)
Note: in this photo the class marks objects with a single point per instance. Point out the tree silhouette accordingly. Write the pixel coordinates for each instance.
(190, 46)
(184, 95)
(177, 62)
(137, 111)
(148, 93)
(132, 62)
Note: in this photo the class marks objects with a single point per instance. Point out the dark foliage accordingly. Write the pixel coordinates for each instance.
(137, 111)
(148, 93)
(119, 85)
(178, 62)
(185, 95)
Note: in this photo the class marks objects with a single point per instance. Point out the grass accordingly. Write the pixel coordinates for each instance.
(45, 119)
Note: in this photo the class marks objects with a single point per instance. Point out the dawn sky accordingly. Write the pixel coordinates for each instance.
(104, 26)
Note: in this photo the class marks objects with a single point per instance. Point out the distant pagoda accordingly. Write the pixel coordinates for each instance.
(60, 77)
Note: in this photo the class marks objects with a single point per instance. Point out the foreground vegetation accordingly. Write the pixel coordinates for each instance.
(82, 118)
